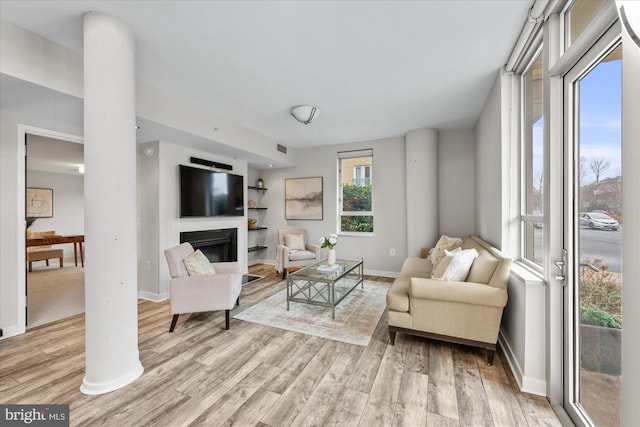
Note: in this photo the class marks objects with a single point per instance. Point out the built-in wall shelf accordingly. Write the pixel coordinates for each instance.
(257, 240)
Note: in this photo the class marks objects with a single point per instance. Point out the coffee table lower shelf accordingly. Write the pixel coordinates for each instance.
(311, 285)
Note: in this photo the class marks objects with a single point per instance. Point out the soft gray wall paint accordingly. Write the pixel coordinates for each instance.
(68, 204)
(456, 177)
(388, 199)
(421, 178)
(488, 178)
(148, 220)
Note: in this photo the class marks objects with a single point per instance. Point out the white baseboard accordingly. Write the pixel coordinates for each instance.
(392, 274)
(152, 297)
(525, 384)
(9, 331)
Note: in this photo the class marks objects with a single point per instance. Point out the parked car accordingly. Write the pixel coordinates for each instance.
(597, 220)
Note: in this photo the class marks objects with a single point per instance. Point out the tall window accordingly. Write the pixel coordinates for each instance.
(533, 164)
(355, 187)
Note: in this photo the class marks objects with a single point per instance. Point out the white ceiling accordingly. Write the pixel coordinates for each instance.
(375, 69)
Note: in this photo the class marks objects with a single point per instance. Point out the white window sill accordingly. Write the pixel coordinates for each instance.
(352, 234)
(526, 275)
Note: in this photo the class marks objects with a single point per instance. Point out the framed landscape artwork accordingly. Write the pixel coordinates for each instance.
(39, 202)
(303, 198)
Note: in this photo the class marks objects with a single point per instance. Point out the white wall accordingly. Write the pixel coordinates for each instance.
(488, 177)
(68, 204)
(522, 334)
(388, 199)
(148, 178)
(456, 177)
(160, 223)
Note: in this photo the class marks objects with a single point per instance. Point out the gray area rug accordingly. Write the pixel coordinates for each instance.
(356, 316)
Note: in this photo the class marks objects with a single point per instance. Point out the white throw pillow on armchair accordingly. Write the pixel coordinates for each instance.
(294, 242)
(197, 264)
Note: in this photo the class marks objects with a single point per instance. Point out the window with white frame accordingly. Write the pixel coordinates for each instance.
(355, 189)
(532, 193)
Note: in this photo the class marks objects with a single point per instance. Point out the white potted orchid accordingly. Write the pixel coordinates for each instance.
(330, 242)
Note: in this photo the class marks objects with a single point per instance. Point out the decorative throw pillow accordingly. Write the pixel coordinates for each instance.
(445, 243)
(198, 265)
(294, 242)
(458, 268)
(440, 268)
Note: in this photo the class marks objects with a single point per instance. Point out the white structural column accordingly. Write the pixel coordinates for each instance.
(422, 189)
(112, 359)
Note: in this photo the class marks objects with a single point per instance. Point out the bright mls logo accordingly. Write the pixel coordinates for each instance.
(34, 415)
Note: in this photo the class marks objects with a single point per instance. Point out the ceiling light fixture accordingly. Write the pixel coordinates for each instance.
(304, 113)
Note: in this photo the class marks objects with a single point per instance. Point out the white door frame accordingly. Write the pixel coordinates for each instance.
(568, 236)
(23, 131)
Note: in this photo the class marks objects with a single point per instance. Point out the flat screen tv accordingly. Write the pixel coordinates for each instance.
(209, 193)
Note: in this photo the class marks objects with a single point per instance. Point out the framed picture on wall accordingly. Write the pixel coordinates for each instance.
(39, 202)
(303, 198)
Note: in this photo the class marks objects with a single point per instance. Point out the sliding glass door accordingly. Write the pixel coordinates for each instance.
(592, 235)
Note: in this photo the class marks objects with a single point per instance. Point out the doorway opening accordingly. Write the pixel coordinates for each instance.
(54, 211)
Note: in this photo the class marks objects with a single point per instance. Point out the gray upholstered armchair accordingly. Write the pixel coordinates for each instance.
(195, 294)
(289, 254)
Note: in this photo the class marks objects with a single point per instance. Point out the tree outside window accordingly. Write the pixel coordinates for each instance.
(356, 207)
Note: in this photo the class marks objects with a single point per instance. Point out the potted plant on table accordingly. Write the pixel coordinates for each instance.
(330, 242)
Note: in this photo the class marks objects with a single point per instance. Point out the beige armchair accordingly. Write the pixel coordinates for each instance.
(195, 294)
(289, 256)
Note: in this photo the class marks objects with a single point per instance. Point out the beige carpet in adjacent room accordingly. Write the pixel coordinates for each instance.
(54, 293)
(356, 316)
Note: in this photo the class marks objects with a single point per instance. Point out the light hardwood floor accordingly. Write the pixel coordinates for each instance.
(254, 375)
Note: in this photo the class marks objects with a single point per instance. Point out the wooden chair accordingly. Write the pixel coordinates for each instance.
(44, 252)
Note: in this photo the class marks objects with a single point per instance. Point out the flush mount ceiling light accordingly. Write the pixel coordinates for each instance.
(304, 113)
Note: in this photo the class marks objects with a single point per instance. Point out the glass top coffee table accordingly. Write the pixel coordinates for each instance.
(317, 284)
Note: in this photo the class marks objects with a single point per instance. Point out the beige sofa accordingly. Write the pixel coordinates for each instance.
(460, 312)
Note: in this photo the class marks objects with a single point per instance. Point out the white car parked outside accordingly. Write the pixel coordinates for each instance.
(599, 221)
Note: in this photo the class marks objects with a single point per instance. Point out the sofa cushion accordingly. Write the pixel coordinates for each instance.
(301, 255)
(460, 264)
(444, 243)
(483, 268)
(420, 267)
(441, 267)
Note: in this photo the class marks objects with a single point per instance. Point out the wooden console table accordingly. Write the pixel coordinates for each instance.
(77, 240)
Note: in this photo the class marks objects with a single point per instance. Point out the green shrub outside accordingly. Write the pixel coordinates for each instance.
(600, 296)
(592, 315)
(356, 198)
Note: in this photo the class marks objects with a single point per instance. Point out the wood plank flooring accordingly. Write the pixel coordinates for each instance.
(254, 375)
